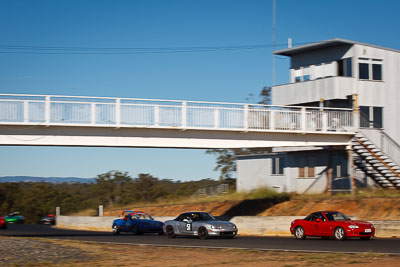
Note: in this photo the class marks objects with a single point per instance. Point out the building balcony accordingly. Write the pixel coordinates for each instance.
(326, 88)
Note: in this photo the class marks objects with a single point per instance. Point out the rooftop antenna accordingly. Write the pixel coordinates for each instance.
(273, 41)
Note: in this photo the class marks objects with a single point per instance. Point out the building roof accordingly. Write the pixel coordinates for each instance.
(325, 44)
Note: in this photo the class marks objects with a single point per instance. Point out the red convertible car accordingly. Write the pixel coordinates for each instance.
(331, 224)
(3, 223)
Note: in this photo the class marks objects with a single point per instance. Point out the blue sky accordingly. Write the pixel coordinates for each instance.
(228, 76)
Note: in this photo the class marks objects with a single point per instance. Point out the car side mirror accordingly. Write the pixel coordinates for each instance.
(319, 220)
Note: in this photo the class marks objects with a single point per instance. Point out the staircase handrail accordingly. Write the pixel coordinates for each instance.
(386, 143)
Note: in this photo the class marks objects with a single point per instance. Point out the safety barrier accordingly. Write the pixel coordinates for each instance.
(51, 110)
(247, 225)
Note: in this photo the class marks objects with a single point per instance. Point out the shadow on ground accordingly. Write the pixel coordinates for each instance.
(252, 207)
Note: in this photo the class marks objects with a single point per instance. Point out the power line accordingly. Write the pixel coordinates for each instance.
(81, 50)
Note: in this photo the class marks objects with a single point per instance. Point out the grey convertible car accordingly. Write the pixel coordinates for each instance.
(201, 224)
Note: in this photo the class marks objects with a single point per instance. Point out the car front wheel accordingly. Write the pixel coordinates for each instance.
(299, 233)
(115, 230)
(203, 233)
(339, 233)
(170, 231)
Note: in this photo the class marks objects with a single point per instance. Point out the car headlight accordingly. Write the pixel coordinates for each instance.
(353, 226)
(234, 226)
(213, 227)
(372, 226)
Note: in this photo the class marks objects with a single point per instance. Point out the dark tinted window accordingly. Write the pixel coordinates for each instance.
(363, 70)
(277, 165)
(317, 215)
(183, 216)
(203, 217)
(345, 67)
(377, 72)
(348, 71)
(378, 122)
(340, 68)
(364, 122)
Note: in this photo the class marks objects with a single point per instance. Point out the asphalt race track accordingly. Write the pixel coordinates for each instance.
(377, 245)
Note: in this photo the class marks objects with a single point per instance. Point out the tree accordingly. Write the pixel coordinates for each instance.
(226, 161)
(9, 193)
(266, 94)
(112, 187)
(147, 188)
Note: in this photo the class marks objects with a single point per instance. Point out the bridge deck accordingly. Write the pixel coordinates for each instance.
(162, 116)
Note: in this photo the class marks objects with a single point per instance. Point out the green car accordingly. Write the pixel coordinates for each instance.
(14, 218)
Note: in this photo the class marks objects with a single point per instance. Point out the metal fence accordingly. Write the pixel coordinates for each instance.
(52, 110)
(212, 191)
(380, 138)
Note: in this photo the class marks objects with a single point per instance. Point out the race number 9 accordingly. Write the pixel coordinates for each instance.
(188, 227)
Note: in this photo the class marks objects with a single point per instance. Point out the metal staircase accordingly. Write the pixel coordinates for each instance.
(376, 154)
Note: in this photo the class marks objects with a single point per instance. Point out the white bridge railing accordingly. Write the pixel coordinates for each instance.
(51, 110)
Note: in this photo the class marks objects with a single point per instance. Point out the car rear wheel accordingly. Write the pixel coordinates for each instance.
(365, 237)
(115, 230)
(339, 233)
(170, 231)
(203, 233)
(299, 233)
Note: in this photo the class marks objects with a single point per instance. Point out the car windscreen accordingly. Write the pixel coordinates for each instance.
(336, 216)
(203, 217)
(143, 216)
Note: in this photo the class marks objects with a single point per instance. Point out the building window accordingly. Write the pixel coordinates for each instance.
(370, 69)
(377, 72)
(339, 166)
(338, 171)
(306, 168)
(365, 118)
(363, 71)
(345, 67)
(371, 117)
(277, 166)
(302, 74)
(378, 117)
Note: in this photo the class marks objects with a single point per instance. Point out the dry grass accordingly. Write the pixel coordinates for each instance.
(234, 197)
(376, 199)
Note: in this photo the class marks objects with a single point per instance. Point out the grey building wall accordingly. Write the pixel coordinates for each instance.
(254, 172)
(385, 93)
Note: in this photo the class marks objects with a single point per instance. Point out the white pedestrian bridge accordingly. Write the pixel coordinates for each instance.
(55, 120)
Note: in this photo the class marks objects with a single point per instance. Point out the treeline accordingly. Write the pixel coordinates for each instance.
(34, 200)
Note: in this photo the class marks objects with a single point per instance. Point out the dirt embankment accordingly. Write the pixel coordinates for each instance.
(222, 209)
(365, 209)
(374, 208)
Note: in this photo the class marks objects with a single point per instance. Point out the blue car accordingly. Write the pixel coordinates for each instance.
(137, 223)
